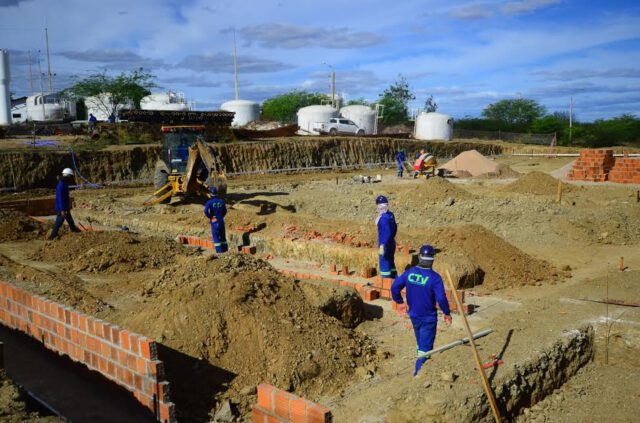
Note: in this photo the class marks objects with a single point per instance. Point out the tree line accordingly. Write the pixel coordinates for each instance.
(508, 115)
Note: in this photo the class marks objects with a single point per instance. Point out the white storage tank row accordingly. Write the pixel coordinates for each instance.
(245, 111)
(434, 126)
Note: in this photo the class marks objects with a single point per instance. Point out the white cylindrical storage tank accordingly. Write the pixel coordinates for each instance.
(363, 116)
(245, 111)
(5, 94)
(164, 101)
(309, 115)
(434, 126)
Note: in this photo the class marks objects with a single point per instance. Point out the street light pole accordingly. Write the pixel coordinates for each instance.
(332, 79)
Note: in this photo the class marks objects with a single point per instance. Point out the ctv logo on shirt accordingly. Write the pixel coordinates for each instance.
(418, 279)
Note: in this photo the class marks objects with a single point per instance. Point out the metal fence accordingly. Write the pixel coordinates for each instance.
(522, 138)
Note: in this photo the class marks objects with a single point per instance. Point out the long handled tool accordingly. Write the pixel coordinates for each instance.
(485, 381)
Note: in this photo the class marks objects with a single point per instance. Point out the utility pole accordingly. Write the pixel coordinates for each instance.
(235, 65)
(46, 35)
(41, 87)
(570, 118)
(30, 74)
(333, 88)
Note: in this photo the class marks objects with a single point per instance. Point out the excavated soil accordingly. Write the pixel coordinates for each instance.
(16, 226)
(433, 189)
(239, 314)
(12, 405)
(503, 264)
(110, 252)
(537, 183)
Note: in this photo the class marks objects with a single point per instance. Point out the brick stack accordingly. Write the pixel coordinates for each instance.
(124, 357)
(384, 286)
(592, 166)
(626, 170)
(277, 406)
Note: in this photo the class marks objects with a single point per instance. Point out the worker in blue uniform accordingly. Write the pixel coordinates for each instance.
(63, 204)
(424, 288)
(216, 210)
(387, 229)
(400, 158)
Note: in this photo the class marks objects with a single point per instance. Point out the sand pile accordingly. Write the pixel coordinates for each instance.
(239, 314)
(111, 252)
(432, 190)
(471, 163)
(504, 265)
(537, 183)
(12, 405)
(15, 226)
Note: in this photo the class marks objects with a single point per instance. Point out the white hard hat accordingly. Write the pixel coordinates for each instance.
(67, 172)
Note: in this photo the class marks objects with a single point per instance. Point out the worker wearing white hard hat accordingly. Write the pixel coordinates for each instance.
(63, 204)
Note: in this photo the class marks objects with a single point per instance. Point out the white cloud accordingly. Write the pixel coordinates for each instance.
(526, 6)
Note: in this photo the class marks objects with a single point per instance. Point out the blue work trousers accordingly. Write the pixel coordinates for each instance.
(219, 237)
(387, 263)
(59, 221)
(425, 332)
(400, 169)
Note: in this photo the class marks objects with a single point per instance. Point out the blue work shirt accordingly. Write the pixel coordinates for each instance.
(215, 208)
(401, 157)
(63, 203)
(424, 288)
(387, 229)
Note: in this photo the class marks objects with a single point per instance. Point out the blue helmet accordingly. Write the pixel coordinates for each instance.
(427, 252)
(213, 190)
(381, 199)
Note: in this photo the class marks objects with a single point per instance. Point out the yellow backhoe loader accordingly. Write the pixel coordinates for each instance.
(187, 166)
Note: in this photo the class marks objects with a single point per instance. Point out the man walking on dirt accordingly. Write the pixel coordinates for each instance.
(216, 210)
(424, 288)
(63, 204)
(387, 229)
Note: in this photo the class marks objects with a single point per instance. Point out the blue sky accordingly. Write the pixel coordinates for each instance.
(467, 54)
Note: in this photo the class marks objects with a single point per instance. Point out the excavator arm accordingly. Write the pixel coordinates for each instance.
(201, 153)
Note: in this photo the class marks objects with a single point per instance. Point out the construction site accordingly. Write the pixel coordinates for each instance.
(294, 323)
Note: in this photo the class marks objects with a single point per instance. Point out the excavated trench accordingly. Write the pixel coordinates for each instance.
(28, 169)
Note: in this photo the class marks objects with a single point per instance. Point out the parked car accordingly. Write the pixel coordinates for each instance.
(337, 126)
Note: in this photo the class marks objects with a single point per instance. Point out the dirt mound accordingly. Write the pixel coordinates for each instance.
(537, 183)
(432, 190)
(475, 164)
(504, 265)
(239, 314)
(15, 226)
(12, 406)
(110, 252)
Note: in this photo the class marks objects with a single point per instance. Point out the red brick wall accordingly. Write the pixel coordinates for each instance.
(592, 165)
(277, 406)
(626, 170)
(124, 357)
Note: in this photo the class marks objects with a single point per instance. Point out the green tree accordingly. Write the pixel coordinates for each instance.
(283, 108)
(115, 92)
(358, 101)
(517, 114)
(395, 100)
(430, 105)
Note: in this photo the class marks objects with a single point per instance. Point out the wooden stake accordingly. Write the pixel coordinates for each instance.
(476, 356)
(559, 195)
(622, 264)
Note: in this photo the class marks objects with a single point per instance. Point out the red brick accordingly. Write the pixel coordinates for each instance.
(164, 392)
(167, 412)
(124, 340)
(258, 415)
(371, 294)
(148, 349)
(386, 283)
(319, 414)
(345, 270)
(133, 340)
(282, 400)
(141, 366)
(156, 369)
(298, 410)
(266, 396)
